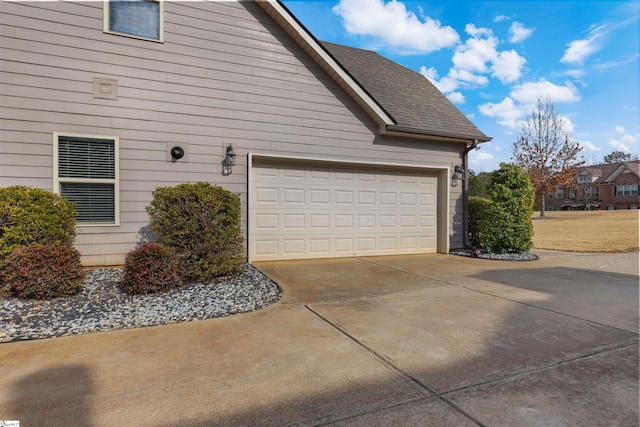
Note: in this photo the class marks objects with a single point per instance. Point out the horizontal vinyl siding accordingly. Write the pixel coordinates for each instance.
(225, 74)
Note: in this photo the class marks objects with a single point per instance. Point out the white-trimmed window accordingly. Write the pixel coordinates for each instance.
(627, 190)
(134, 18)
(86, 172)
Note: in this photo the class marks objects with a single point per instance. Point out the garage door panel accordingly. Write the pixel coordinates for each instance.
(313, 212)
(344, 197)
(267, 195)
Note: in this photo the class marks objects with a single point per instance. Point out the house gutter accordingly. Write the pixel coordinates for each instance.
(465, 193)
(428, 134)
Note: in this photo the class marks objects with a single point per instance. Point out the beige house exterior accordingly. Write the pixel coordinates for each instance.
(339, 151)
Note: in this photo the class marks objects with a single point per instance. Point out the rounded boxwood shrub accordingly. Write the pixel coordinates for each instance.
(150, 269)
(202, 222)
(43, 271)
(31, 215)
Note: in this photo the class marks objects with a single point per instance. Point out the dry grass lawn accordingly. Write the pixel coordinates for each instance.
(587, 231)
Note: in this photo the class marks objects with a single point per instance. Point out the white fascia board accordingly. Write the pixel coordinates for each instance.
(308, 42)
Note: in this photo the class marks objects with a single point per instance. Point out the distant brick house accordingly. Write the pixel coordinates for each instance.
(599, 187)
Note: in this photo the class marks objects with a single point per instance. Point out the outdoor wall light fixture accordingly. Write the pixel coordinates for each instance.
(229, 160)
(230, 157)
(458, 173)
(177, 153)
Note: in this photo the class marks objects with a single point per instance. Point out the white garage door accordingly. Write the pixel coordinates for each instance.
(302, 211)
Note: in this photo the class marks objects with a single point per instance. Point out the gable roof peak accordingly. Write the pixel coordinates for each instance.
(400, 100)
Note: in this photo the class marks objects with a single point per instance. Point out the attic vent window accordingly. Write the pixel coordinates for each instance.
(134, 18)
(105, 88)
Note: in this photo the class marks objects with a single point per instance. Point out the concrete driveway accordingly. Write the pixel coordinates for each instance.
(408, 340)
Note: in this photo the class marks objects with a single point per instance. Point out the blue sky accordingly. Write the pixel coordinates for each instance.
(494, 59)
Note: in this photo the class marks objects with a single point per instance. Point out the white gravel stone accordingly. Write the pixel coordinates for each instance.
(511, 256)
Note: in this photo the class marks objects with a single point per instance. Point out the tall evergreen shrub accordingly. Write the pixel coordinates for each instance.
(478, 214)
(508, 226)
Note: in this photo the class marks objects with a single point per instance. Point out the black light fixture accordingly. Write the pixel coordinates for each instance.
(458, 173)
(177, 153)
(229, 160)
(230, 157)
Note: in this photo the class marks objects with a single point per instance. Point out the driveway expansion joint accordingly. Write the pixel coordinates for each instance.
(516, 374)
(393, 367)
(445, 283)
(382, 359)
(547, 310)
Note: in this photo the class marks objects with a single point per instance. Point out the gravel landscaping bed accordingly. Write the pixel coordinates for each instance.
(517, 256)
(102, 306)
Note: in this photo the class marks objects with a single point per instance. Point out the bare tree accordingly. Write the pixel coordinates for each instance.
(546, 151)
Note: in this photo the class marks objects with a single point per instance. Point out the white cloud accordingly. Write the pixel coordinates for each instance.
(530, 92)
(589, 145)
(393, 26)
(476, 58)
(456, 97)
(579, 50)
(507, 112)
(475, 53)
(444, 85)
(501, 18)
(483, 155)
(507, 67)
(519, 33)
(619, 146)
(613, 64)
(567, 124)
(629, 139)
(430, 73)
(624, 141)
(624, 138)
(481, 160)
(576, 74)
(474, 31)
(466, 78)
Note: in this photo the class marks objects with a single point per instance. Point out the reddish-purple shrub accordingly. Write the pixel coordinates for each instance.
(43, 271)
(151, 268)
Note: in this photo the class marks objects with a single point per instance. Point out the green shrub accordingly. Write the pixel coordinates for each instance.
(508, 226)
(43, 271)
(150, 269)
(478, 213)
(202, 222)
(31, 215)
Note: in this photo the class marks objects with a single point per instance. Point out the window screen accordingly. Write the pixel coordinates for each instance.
(136, 17)
(93, 202)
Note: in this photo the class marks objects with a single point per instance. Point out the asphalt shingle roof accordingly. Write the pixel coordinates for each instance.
(413, 102)
(601, 172)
